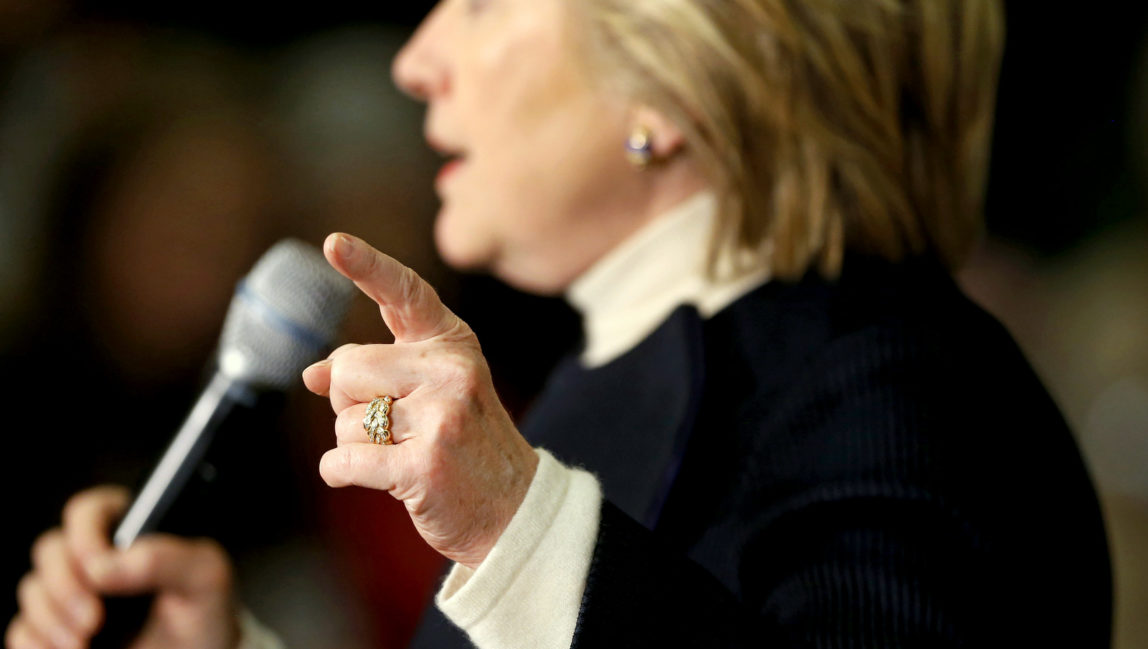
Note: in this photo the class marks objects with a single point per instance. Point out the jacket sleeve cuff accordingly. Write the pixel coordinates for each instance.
(528, 590)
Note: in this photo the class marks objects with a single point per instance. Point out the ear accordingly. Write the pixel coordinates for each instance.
(666, 139)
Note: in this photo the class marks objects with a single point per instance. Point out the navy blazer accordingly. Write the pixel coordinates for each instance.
(869, 462)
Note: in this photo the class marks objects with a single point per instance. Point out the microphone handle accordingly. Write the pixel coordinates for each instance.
(125, 616)
(181, 458)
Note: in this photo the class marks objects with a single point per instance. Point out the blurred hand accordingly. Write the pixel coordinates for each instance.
(458, 463)
(73, 566)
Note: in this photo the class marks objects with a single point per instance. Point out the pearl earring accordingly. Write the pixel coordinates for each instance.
(639, 150)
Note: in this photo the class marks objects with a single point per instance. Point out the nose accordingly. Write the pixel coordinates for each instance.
(420, 69)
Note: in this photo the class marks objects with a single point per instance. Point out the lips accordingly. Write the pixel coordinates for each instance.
(454, 155)
(452, 165)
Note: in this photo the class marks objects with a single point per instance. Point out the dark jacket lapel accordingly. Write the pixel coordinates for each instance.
(627, 422)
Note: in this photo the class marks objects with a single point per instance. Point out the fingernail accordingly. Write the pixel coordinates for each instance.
(100, 567)
(323, 363)
(83, 613)
(344, 247)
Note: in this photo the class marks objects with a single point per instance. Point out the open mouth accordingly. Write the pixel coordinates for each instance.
(455, 159)
(452, 165)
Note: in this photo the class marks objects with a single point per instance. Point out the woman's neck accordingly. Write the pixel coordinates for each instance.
(627, 293)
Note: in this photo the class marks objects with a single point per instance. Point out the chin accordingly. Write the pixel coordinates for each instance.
(458, 250)
(467, 252)
(460, 259)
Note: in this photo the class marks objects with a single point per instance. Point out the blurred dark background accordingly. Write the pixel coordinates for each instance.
(149, 152)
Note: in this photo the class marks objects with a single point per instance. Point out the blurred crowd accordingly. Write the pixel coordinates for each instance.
(144, 168)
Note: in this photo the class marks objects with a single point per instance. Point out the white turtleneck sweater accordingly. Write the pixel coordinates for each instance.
(628, 293)
(527, 592)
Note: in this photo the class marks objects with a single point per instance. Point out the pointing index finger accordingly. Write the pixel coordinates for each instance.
(410, 307)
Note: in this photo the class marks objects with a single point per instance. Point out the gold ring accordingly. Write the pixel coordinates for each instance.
(377, 423)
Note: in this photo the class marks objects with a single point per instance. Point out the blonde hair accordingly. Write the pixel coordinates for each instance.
(823, 125)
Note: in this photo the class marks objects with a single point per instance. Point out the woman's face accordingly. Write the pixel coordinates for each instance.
(537, 186)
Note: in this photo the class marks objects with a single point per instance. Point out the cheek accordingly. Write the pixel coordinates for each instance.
(544, 153)
(542, 193)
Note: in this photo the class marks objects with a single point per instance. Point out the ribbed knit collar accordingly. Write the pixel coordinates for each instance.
(626, 294)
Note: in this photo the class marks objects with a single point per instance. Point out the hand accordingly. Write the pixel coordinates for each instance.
(458, 463)
(60, 605)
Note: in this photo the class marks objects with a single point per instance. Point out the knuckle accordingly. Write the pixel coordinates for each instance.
(44, 544)
(334, 467)
(449, 424)
(344, 463)
(15, 635)
(338, 370)
(342, 349)
(460, 330)
(83, 506)
(349, 366)
(22, 587)
(470, 383)
(27, 636)
(461, 372)
(147, 560)
(411, 287)
(26, 589)
(325, 469)
(346, 421)
(213, 571)
(371, 263)
(76, 506)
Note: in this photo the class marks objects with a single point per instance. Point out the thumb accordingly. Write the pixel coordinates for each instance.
(410, 307)
(162, 563)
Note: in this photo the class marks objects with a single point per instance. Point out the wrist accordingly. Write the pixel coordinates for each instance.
(512, 498)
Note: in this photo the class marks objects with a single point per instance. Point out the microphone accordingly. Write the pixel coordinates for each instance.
(284, 315)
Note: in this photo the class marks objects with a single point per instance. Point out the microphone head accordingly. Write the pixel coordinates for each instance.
(285, 314)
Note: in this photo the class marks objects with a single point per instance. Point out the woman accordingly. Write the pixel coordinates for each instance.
(796, 430)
